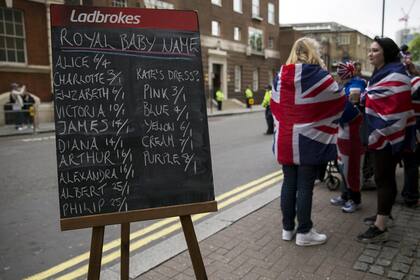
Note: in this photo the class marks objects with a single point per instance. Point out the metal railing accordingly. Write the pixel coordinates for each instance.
(21, 119)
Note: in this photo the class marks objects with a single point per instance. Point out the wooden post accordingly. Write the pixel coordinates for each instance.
(95, 257)
(193, 248)
(125, 251)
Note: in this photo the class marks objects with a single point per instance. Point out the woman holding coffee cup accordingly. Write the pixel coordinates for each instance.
(349, 145)
(390, 120)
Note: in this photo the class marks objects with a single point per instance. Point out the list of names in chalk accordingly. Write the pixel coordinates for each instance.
(131, 132)
(95, 166)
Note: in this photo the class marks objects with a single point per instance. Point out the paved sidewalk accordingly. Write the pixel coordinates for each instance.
(252, 248)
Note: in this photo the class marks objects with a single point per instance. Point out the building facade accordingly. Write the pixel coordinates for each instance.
(338, 43)
(239, 40)
(24, 46)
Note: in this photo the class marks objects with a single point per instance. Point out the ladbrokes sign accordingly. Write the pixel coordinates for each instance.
(98, 17)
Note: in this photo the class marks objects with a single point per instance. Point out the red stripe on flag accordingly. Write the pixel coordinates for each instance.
(287, 96)
(327, 129)
(396, 103)
(320, 88)
(391, 84)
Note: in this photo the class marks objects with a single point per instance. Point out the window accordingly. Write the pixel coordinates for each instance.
(236, 33)
(217, 2)
(358, 39)
(343, 39)
(72, 2)
(256, 8)
(119, 3)
(237, 6)
(215, 28)
(157, 4)
(270, 42)
(238, 78)
(271, 13)
(12, 36)
(255, 83)
(255, 37)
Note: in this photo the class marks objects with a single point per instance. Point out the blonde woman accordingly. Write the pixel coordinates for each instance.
(306, 106)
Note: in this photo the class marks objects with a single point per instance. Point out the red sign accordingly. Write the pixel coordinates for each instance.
(124, 17)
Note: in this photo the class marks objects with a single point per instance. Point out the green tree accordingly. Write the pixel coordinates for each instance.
(414, 47)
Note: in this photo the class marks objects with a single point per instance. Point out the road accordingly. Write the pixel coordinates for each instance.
(31, 241)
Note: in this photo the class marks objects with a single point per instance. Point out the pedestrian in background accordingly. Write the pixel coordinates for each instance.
(306, 106)
(16, 99)
(249, 97)
(411, 161)
(349, 144)
(219, 98)
(268, 115)
(390, 120)
(28, 108)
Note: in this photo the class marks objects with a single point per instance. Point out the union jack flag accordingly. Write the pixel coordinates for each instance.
(350, 152)
(389, 110)
(415, 95)
(306, 105)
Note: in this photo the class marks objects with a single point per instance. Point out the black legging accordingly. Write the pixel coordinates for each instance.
(385, 164)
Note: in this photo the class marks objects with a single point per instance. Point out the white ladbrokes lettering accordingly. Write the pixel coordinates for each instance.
(98, 17)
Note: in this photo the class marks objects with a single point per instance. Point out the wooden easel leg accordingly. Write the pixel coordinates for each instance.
(96, 253)
(125, 251)
(193, 248)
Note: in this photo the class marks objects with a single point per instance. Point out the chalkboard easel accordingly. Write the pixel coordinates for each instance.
(98, 223)
(131, 124)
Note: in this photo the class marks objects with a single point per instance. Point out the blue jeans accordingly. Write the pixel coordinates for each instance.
(296, 196)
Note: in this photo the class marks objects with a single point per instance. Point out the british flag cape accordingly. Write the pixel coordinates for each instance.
(306, 105)
(350, 153)
(415, 95)
(350, 149)
(389, 110)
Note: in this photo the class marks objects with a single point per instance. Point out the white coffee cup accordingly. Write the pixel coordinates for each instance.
(354, 96)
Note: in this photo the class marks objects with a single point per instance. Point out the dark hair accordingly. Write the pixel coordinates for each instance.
(404, 48)
(390, 48)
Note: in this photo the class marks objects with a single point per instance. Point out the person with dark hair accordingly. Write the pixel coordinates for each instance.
(268, 115)
(390, 119)
(406, 60)
(411, 161)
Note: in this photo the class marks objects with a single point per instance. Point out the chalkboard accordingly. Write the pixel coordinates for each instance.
(130, 111)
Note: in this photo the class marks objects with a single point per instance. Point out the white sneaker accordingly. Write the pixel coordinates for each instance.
(287, 235)
(310, 238)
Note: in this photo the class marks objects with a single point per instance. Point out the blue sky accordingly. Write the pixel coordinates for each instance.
(363, 15)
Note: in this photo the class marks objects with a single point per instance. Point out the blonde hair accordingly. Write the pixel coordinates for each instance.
(305, 50)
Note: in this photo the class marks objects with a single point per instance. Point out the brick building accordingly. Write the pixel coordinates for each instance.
(338, 43)
(24, 45)
(239, 41)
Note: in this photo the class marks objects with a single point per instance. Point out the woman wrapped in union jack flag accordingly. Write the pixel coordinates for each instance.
(306, 105)
(390, 118)
(349, 145)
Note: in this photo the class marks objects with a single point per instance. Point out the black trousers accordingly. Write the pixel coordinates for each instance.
(410, 190)
(385, 164)
(269, 120)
